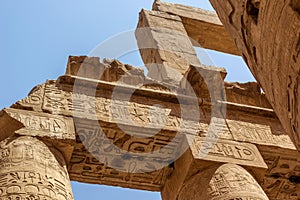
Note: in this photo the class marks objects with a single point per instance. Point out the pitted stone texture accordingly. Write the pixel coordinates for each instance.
(32, 170)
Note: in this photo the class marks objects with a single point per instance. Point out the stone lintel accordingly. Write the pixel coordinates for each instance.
(57, 130)
(203, 27)
(162, 93)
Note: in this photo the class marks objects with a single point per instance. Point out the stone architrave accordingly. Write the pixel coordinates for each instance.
(59, 130)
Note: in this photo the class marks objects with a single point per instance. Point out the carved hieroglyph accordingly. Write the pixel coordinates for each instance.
(221, 182)
(106, 127)
(59, 130)
(31, 170)
(234, 182)
(226, 151)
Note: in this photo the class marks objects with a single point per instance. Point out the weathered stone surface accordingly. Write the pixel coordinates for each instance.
(224, 151)
(208, 82)
(203, 27)
(229, 181)
(282, 177)
(57, 129)
(164, 46)
(29, 169)
(269, 134)
(108, 70)
(267, 34)
(8, 125)
(33, 101)
(105, 154)
(205, 82)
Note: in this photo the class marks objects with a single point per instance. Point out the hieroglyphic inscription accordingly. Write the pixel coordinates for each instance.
(122, 112)
(98, 108)
(110, 156)
(42, 124)
(31, 185)
(233, 182)
(226, 151)
(110, 145)
(259, 134)
(85, 168)
(31, 170)
(283, 175)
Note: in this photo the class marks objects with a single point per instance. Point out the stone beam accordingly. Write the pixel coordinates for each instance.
(132, 143)
(203, 27)
(267, 34)
(238, 131)
(164, 46)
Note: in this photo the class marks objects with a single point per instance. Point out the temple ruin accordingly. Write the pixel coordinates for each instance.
(180, 130)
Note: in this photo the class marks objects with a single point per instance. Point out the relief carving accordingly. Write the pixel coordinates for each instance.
(226, 151)
(282, 179)
(233, 182)
(259, 133)
(221, 182)
(42, 124)
(31, 170)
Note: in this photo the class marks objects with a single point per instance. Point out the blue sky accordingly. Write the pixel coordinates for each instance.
(37, 37)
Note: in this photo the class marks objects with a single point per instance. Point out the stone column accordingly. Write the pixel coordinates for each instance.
(32, 170)
(228, 182)
(201, 172)
(35, 149)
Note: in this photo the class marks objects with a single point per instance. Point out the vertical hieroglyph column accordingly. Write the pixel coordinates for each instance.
(34, 155)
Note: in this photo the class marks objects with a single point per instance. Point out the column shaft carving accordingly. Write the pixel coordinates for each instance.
(228, 182)
(32, 170)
